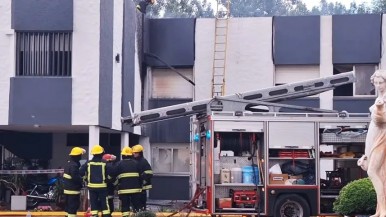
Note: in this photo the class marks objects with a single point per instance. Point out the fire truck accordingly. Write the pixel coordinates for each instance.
(252, 155)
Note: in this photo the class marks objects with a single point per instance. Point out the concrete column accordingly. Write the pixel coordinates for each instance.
(382, 64)
(93, 138)
(124, 139)
(326, 66)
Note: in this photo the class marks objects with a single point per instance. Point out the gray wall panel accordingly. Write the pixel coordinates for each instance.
(49, 15)
(128, 57)
(43, 101)
(172, 40)
(307, 102)
(175, 130)
(296, 40)
(356, 38)
(162, 188)
(106, 63)
(353, 104)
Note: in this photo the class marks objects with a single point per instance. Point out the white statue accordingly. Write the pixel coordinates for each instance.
(374, 159)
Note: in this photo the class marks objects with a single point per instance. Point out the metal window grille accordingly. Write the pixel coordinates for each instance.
(43, 53)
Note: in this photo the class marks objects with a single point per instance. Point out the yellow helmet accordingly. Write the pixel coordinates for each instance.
(97, 150)
(137, 148)
(77, 151)
(127, 151)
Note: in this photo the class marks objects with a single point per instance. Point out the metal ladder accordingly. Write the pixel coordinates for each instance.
(220, 49)
(246, 101)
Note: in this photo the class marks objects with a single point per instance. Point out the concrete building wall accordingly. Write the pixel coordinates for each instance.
(85, 62)
(6, 58)
(382, 65)
(203, 64)
(117, 66)
(249, 63)
(326, 67)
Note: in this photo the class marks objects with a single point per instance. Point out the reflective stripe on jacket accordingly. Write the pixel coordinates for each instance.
(127, 173)
(96, 173)
(146, 172)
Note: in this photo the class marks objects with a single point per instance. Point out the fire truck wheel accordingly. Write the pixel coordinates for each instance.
(291, 205)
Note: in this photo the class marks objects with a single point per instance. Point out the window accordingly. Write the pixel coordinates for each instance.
(171, 159)
(168, 84)
(362, 86)
(43, 53)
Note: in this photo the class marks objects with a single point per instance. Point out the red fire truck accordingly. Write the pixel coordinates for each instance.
(251, 158)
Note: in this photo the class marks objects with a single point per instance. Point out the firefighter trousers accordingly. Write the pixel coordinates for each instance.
(71, 204)
(143, 200)
(111, 203)
(127, 200)
(98, 201)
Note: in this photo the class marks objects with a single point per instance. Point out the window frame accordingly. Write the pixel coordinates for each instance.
(43, 53)
(173, 147)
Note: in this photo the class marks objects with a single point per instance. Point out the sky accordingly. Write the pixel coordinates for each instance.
(312, 3)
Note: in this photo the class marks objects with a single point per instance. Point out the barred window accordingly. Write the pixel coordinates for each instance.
(43, 53)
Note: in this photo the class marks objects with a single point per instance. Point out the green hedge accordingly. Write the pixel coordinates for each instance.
(357, 197)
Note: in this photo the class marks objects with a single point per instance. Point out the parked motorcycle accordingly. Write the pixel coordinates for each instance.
(45, 192)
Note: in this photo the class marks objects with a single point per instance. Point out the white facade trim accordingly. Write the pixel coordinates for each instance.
(326, 66)
(382, 64)
(117, 66)
(249, 64)
(137, 86)
(7, 49)
(85, 62)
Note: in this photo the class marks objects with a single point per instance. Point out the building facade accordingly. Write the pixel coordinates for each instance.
(68, 69)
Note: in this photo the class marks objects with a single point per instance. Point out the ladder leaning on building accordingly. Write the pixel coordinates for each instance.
(220, 48)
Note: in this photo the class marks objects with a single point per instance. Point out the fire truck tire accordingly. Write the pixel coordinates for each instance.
(291, 205)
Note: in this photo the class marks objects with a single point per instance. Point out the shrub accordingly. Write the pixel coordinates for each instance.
(145, 214)
(357, 197)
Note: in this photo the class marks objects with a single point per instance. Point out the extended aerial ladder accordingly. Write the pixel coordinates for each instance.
(247, 101)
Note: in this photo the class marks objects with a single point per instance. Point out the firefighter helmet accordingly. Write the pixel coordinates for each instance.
(109, 157)
(137, 148)
(77, 151)
(127, 151)
(97, 150)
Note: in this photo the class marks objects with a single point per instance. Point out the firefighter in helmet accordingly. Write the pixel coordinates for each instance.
(110, 162)
(97, 173)
(142, 5)
(146, 173)
(72, 182)
(129, 182)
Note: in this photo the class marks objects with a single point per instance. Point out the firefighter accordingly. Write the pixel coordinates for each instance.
(110, 162)
(96, 173)
(129, 182)
(146, 173)
(142, 5)
(72, 182)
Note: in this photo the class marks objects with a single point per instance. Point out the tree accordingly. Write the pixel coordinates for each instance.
(258, 8)
(379, 6)
(299, 9)
(180, 8)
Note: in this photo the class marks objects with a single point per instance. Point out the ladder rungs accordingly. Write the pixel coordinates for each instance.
(221, 31)
(220, 39)
(219, 56)
(219, 63)
(221, 22)
(219, 71)
(219, 47)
